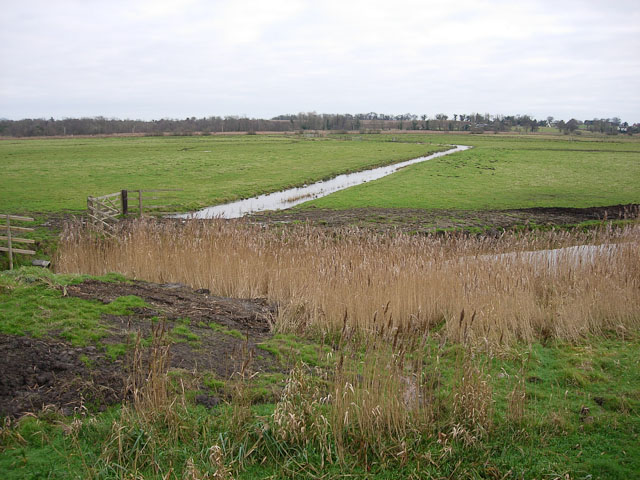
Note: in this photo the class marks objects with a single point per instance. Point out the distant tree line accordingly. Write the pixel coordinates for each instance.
(366, 122)
(109, 126)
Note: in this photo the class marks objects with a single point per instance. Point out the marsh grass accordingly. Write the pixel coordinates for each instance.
(381, 403)
(135, 443)
(471, 400)
(413, 327)
(410, 408)
(154, 420)
(467, 289)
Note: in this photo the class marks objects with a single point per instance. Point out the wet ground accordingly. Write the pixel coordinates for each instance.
(37, 373)
(223, 338)
(417, 220)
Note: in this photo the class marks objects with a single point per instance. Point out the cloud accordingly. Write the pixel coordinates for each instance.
(158, 58)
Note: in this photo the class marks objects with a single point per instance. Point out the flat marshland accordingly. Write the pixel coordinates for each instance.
(238, 349)
(500, 172)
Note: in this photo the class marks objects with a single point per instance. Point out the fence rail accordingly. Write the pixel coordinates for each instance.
(142, 202)
(8, 229)
(103, 212)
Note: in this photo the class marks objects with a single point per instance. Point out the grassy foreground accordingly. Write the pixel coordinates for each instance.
(53, 175)
(539, 410)
(506, 172)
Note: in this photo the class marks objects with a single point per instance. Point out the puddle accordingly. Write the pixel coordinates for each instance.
(295, 196)
(568, 256)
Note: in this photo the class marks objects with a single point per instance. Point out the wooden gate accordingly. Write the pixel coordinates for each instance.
(10, 239)
(103, 212)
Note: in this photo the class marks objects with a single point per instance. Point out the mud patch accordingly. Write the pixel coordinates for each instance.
(417, 220)
(207, 335)
(221, 333)
(37, 373)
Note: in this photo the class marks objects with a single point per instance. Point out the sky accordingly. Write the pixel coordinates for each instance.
(261, 58)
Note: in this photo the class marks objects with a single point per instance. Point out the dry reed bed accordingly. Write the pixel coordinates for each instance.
(331, 280)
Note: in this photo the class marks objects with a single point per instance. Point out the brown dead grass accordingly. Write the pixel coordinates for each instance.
(329, 281)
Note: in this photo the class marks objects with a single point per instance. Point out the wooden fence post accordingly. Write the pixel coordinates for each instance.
(9, 242)
(140, 202)
(125, 202)
(90, 209)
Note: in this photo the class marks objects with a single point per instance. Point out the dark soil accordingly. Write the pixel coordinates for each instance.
(40, 372)
(417, 220)
(37, 373)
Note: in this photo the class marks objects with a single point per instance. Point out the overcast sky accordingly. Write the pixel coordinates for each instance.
(158, 58)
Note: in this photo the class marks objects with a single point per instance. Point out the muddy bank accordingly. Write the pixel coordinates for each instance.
(417, 220)
(244, 322)
(219, 336)
(40, 372)
(174, 300)
(411, 220)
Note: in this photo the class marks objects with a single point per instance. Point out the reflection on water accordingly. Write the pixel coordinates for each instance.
(295, 196)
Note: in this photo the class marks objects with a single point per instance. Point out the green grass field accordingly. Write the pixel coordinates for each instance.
(506, 172)
(500, 172)
(44, 175)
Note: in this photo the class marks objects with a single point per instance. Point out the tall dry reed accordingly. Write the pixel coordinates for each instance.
(377, 402)
(383, 283)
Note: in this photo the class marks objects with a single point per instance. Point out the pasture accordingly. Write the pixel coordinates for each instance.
(506, 172)
(500, 172)
(52, 175)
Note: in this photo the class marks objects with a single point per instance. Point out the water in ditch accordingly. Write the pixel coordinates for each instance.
(295, 196)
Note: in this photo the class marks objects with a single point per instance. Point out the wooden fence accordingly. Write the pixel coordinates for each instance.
(104, 211)
(10, 239)
(141, 201)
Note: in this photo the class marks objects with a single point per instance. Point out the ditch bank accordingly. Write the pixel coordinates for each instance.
(428, 221)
